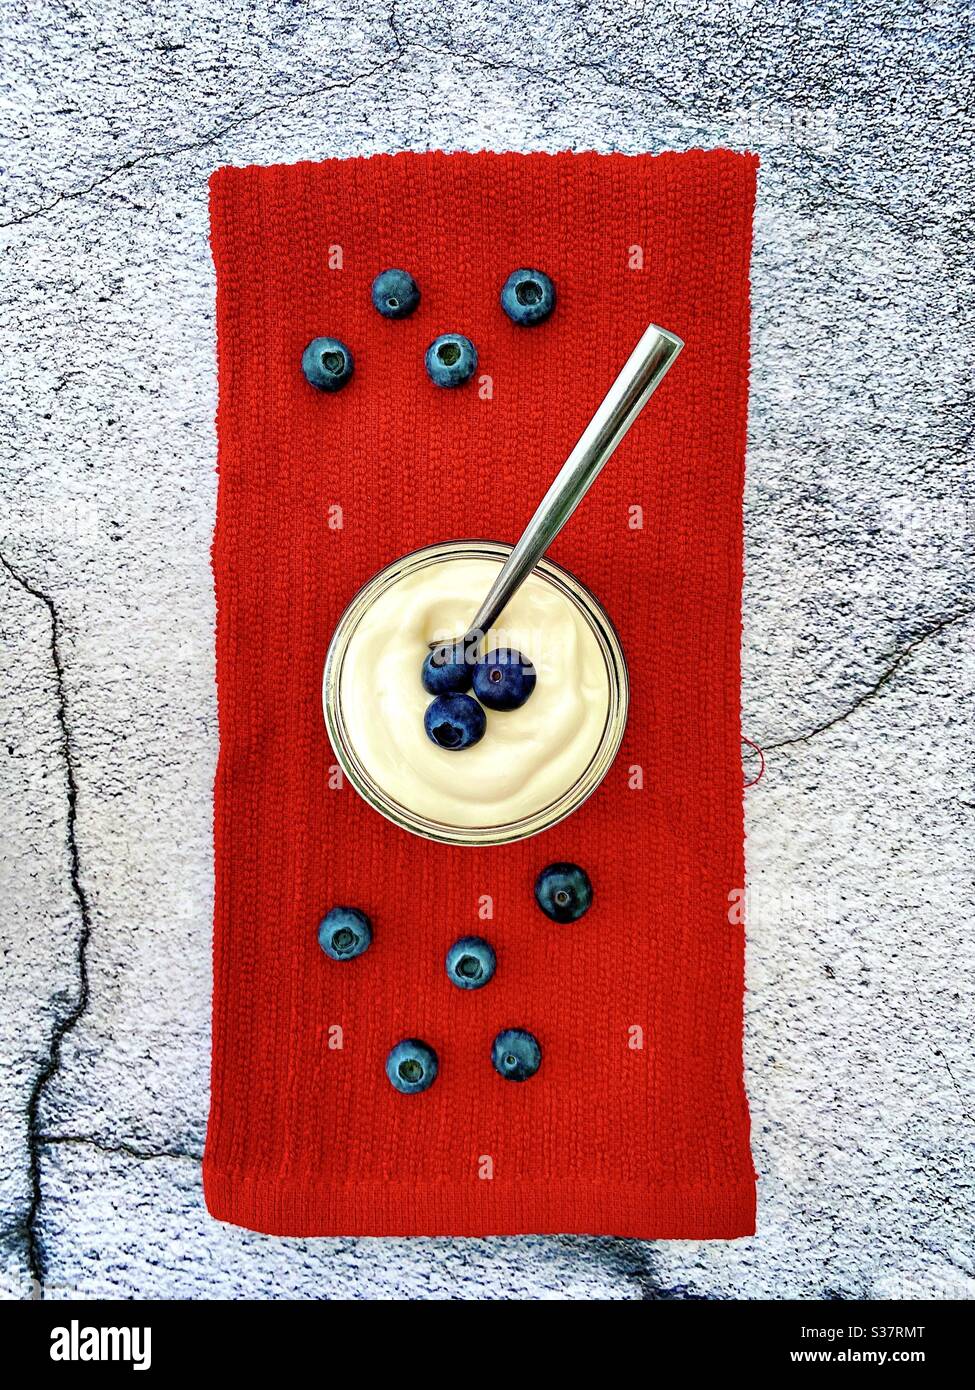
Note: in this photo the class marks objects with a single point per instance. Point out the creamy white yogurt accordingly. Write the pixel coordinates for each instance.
(529, 756)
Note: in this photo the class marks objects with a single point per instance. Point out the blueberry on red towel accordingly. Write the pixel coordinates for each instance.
(454, 722)
(446, 669)
(412, 1066)
(528, 297)
(395, 294)
(327, 364)
(471, 962)
(516, 1055)
(563, 892)
(504, 679)
(344, 933)
(451, 360)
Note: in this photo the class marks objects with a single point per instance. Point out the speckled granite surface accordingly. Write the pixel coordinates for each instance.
(859, 611)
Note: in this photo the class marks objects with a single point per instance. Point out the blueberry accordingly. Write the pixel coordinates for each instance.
(451, 360)
(504, 679)
(344, 933)
(445, 669)
(454, 721)
(395, 294)
(470, 962)
(516, 1055)
(528, 297)
(563, 892)
(327, 364)
(412, 1066)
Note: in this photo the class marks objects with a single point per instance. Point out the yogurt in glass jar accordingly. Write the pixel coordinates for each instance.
(535, 764)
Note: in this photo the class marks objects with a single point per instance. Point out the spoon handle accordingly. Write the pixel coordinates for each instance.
(644, 371)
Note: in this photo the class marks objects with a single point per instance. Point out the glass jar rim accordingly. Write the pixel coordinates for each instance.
(535, 822)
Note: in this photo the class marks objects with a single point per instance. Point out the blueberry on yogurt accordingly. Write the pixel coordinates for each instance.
(327, 364)
(528, 297)
(446, 669)
(451, 360)
(504, 679)
(395, 294)
(454, 721)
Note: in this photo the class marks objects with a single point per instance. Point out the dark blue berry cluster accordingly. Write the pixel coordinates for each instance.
(563, 892)
(502, 679)
(527, 297)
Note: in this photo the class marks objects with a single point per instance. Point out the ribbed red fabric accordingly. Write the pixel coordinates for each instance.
(306, 1137)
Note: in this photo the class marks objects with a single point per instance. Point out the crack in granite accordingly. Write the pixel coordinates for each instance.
(493, 64)
(34, 1252)
(906, 222)
(885, 677)
(119, 1146)
(622, 1258)
(210, 138)
(939, 1053)
(933, 1249)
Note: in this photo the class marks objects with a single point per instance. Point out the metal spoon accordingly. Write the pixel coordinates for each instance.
(645, 369)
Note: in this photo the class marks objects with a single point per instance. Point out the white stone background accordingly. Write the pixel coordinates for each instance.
(858, 610)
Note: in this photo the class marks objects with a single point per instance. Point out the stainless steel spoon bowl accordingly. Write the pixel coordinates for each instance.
(645, 369)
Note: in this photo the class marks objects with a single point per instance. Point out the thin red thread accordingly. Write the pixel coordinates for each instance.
(761, 771)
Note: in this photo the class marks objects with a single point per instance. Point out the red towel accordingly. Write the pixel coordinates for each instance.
(637, 1122)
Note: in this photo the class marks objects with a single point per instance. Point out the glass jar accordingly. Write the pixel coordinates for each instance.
(562, 804)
